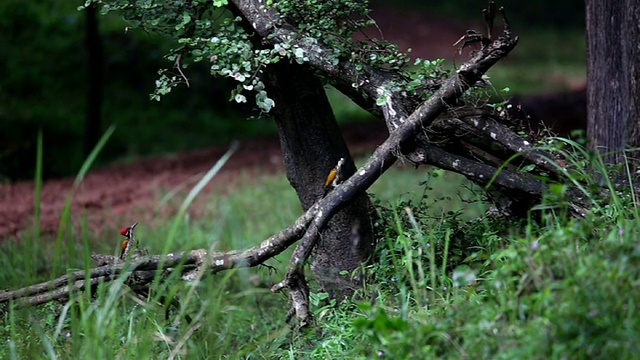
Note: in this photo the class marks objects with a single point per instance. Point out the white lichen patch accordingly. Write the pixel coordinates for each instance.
(392, 112)
(362, 172)
(526, 143)
(456, 163)
(189, 276)
(218, 262)
(384, 100)
(494, 136)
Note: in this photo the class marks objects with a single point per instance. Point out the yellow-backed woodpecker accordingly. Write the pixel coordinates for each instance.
(334, 178)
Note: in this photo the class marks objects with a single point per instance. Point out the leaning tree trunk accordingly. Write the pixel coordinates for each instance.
(312, 144)
(613, 74)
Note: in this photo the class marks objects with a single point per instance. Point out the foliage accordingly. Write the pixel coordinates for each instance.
(44, 87)
(206, 31)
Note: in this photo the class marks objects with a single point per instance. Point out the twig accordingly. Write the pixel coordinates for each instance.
(177, 66)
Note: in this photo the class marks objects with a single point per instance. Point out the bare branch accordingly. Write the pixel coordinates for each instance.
(214, 260)
(506, 138)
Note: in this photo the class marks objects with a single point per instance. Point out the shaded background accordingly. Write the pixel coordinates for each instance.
(46, 82)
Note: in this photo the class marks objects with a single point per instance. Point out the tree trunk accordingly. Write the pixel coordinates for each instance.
(95, 61)
(312, 145)
(613, 74)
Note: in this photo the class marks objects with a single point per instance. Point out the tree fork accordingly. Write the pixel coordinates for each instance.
(312, 144)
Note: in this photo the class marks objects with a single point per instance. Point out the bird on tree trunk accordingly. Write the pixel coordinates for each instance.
(334, 177)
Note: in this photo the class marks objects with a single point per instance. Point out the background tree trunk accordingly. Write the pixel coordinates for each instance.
(312, 144)
(613, 75)
(95, 66)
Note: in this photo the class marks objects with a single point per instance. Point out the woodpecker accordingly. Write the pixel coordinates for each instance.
(334, 178)
(127, 232)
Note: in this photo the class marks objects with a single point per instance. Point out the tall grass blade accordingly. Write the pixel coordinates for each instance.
(33, 242)
(628, 171)
(500, 168)
(65, 217)
(195, 191)
(445, 257)
(208, 176)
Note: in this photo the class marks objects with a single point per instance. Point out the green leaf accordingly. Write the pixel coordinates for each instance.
(241, 98)
(528, 168)
(557, 189)
(382, 100)
(268, 104)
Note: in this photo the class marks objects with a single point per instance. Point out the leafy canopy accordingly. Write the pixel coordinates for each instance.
(211, 31)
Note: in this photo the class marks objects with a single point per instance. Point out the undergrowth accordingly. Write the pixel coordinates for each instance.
(444, 284)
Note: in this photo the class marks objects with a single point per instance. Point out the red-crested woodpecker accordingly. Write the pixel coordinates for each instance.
(127, 232)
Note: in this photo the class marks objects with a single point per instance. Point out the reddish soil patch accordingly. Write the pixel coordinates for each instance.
(113, 195)
(427, 36)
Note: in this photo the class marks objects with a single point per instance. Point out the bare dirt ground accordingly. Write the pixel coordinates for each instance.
(111, 196)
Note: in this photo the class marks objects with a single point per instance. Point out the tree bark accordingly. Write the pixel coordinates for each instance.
(312, 144)
(613, 76)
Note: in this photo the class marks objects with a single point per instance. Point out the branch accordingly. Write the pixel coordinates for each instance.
(496, 133)
(216, 261)
(364, 84)
(383, 157)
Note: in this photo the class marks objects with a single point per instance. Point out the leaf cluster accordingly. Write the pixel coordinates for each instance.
(206, 31)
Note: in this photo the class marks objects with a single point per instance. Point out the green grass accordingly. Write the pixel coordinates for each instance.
(543, 61)
(444, 192)
(446, 283)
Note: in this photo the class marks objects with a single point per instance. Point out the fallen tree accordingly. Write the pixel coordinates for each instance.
(443, 131)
